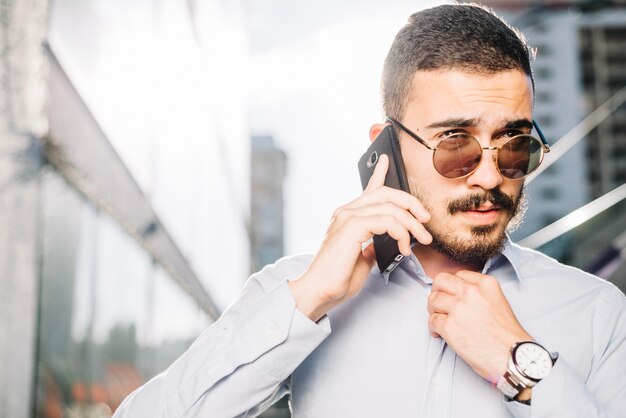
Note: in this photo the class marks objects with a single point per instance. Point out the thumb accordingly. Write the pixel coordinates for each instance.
(366, 260)
(364, 264)
(380, 172)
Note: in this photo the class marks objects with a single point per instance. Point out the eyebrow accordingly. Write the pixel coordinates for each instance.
(467, 123)
(519, 124)
(454, 123)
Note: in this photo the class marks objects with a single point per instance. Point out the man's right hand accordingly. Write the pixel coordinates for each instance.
(341, 266)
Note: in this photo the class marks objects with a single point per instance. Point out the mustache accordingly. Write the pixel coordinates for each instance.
(475, 200)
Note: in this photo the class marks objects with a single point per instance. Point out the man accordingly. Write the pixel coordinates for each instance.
(469, 324)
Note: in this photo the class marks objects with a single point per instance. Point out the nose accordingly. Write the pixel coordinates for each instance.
(487, 176)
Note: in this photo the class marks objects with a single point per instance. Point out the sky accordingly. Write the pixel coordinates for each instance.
(314, 85)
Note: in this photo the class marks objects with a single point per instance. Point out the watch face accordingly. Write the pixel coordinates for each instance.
(533, 360)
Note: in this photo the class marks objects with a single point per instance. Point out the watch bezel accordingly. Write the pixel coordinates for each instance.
(518, 368)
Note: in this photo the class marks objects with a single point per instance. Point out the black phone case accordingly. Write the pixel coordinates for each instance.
(386, 248)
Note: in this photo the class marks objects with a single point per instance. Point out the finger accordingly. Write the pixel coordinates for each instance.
(440, 302)
(368, 252)
(448, 283)
(403, 216)
(359, 229)
(380, 172)
(436, 324)
(471, 276)
(396, 231)
(363, 227)
(400, 198)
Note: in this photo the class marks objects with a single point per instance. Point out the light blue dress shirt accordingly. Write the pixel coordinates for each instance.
(379, 360)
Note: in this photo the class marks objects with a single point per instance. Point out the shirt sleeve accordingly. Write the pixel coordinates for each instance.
(240, 365)
(564, 393)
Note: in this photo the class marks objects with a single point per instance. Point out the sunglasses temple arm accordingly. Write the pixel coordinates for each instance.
(408, 132)
(546, 147)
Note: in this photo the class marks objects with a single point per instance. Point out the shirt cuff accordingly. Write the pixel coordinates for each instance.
(517, 409)
(561, 393)
(274, 320)
(303, 338)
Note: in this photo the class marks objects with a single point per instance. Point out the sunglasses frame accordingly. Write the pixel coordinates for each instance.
(542, 139)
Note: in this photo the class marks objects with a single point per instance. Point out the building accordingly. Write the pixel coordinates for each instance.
(581, 47)
(268, 172)
(603, 63)
(124, 164)
(558, 108)
(267, 224)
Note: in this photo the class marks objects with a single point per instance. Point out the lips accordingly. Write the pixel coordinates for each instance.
(483, 208)
(482, 215)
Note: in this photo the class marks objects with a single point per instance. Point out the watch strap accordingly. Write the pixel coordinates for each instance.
(510, 385)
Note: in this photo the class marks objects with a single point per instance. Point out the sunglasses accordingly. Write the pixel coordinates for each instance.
(460, 154)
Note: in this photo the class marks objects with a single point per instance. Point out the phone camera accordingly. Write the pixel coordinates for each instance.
(372, 160)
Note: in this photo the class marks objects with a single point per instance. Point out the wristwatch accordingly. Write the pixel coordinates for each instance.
(528, 364)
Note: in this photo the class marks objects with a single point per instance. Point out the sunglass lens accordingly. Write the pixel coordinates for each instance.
(457, 156)
(520, 156)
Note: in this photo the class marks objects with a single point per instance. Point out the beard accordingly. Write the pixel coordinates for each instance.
(487, 241)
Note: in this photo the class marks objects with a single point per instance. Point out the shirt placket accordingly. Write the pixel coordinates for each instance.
(441, 362)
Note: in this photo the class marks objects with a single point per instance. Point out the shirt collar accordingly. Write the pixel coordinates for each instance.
(509, 256)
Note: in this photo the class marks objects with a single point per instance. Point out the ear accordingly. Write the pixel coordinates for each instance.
(375, 130)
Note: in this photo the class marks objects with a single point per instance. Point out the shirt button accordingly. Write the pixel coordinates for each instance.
(272, 332)
(436, 381)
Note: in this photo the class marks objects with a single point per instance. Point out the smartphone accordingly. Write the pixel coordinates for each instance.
(388, 255)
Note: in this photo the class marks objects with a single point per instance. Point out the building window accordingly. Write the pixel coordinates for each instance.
(543, 50)
(551, 170)
(549, 193)
(540, 26)
(543, 72)
(545, 120)
(544, 96)
(548, 219)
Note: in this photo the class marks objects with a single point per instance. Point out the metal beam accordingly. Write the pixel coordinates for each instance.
(79, 150)
(575, 218)
(578, 132)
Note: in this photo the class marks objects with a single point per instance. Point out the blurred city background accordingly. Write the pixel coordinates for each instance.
(155, 153)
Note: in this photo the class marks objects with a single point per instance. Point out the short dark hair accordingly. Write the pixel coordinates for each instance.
(459, 36)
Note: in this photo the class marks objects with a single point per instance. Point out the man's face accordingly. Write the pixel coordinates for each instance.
(469, 215)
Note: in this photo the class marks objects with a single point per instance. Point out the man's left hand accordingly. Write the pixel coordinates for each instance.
(470, 312)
